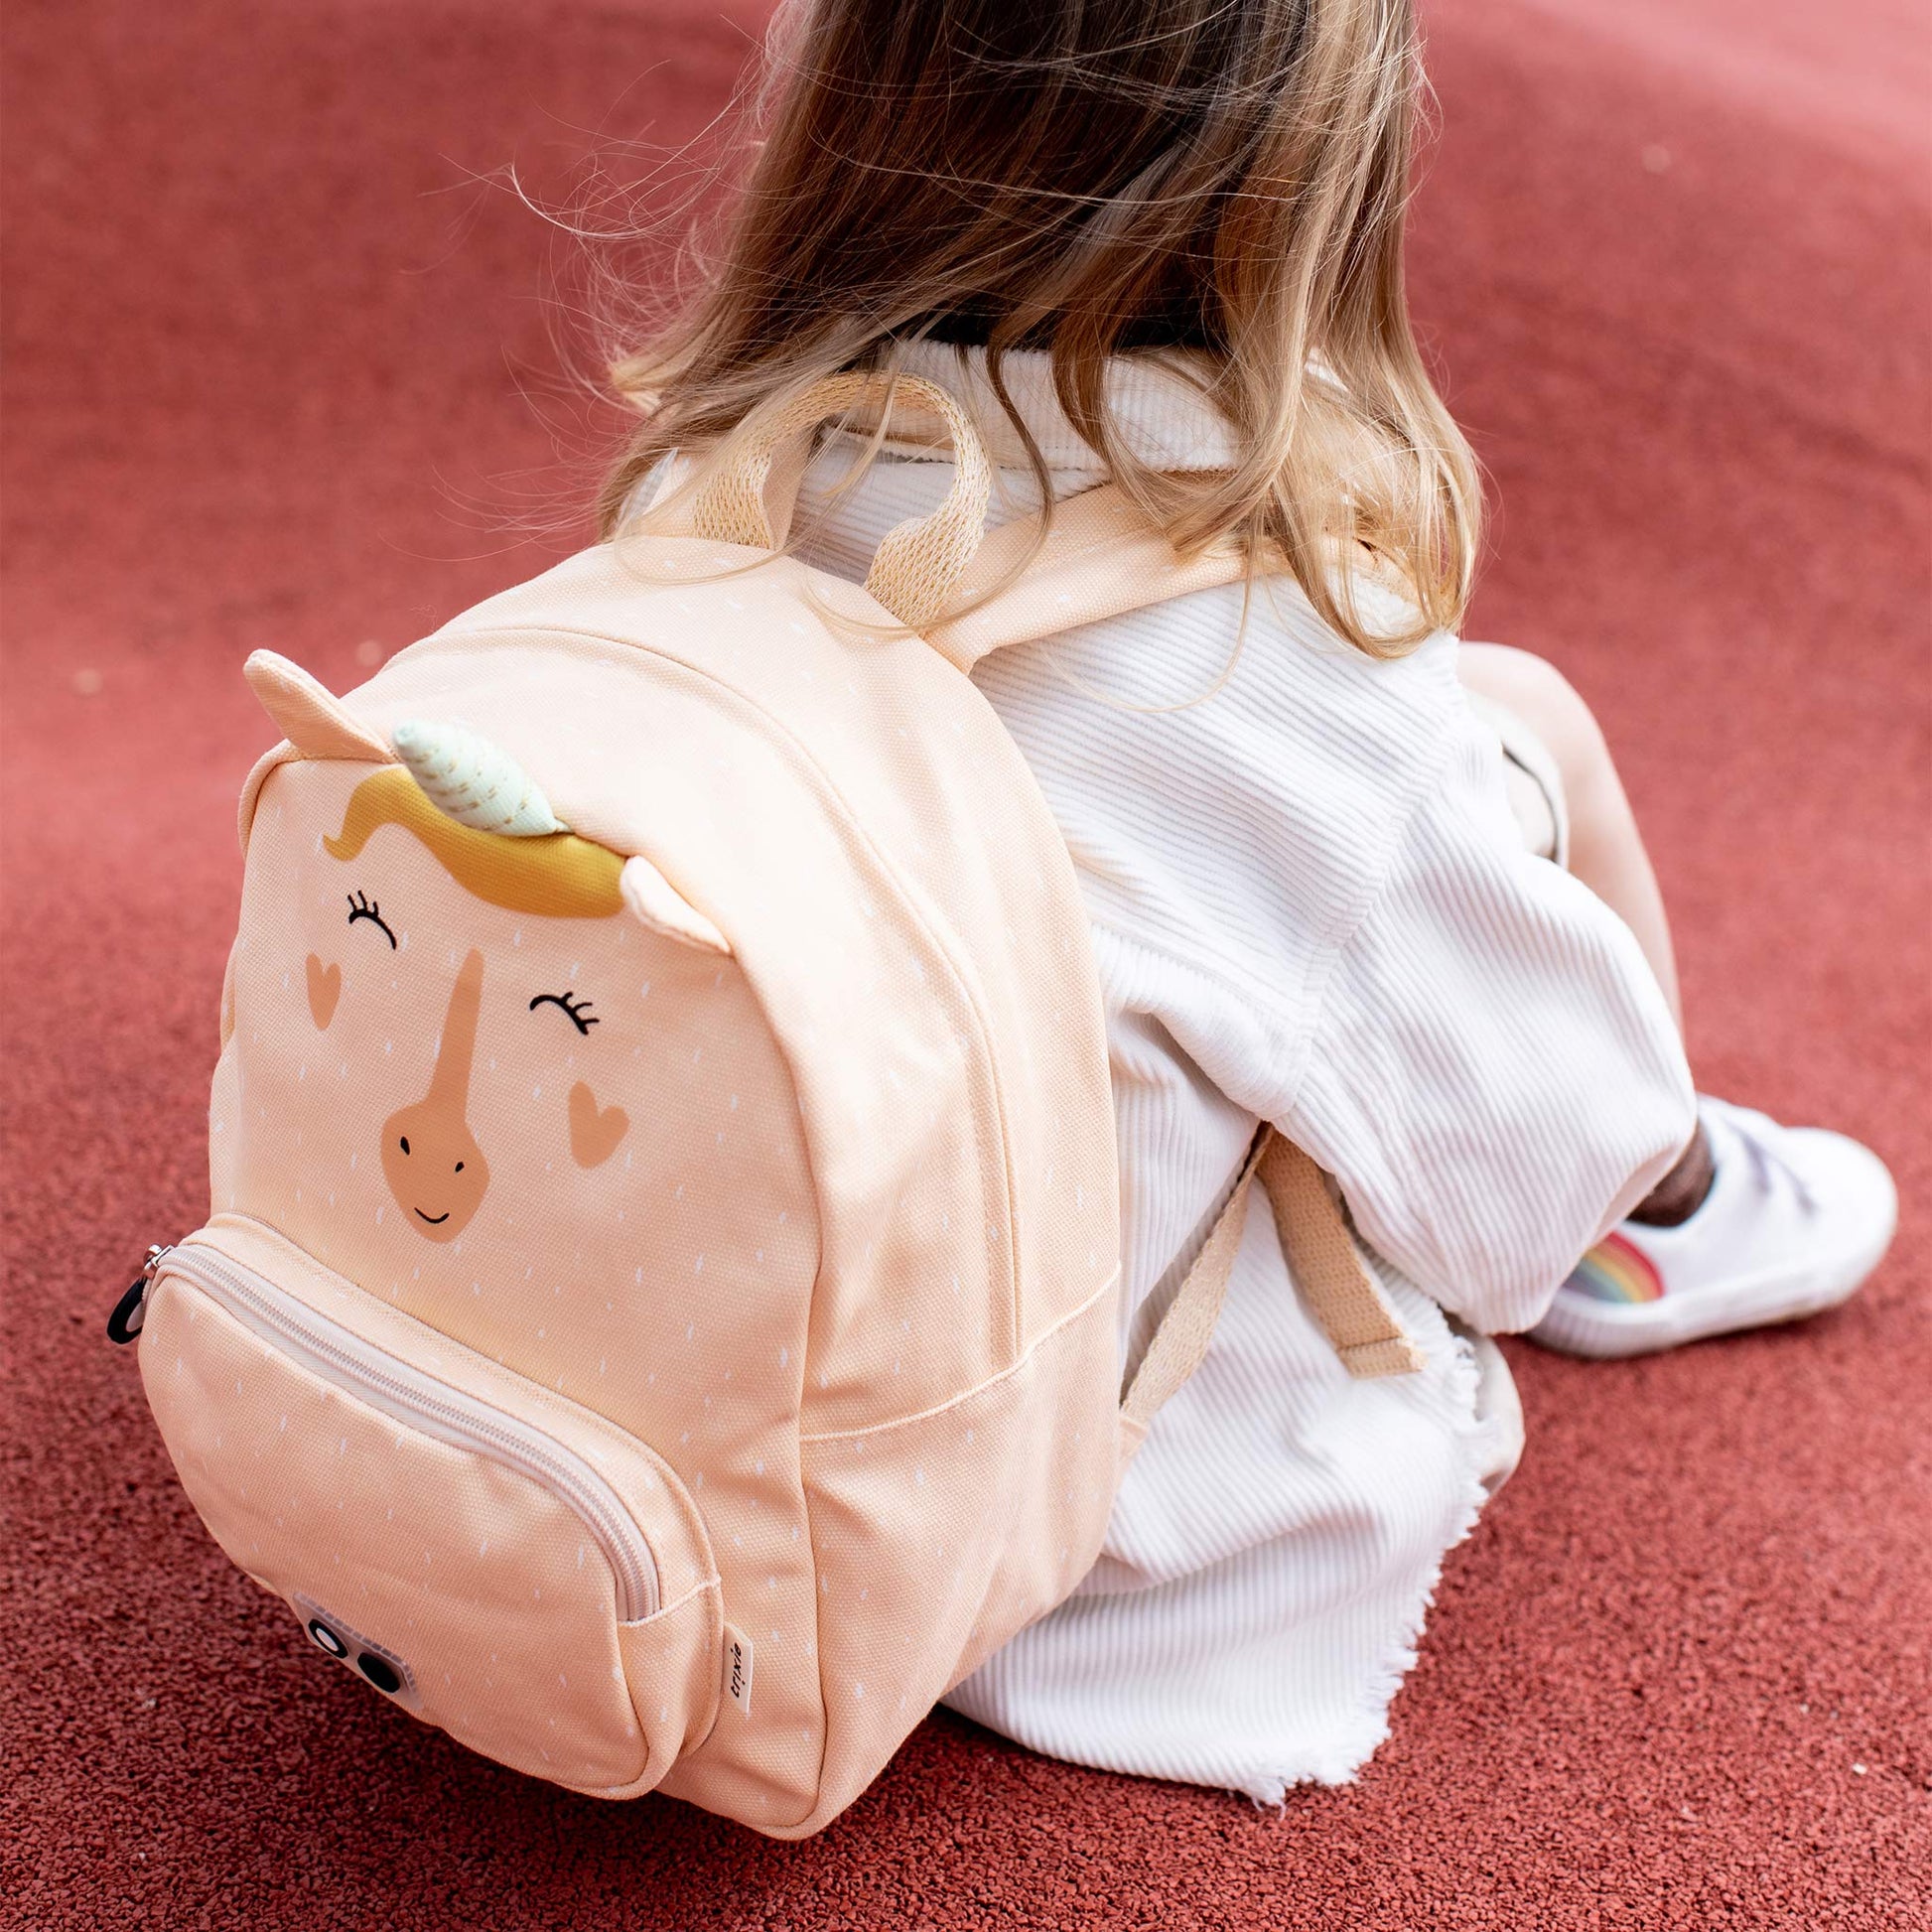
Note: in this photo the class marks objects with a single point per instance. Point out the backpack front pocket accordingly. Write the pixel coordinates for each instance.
(483, 1551)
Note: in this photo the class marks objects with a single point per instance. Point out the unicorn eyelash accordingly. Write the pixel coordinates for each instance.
(580, 1014)
(361, 907)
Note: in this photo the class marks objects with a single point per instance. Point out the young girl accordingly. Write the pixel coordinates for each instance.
(1345, 875)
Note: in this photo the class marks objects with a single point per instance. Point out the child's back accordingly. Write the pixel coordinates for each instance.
(1310, 906)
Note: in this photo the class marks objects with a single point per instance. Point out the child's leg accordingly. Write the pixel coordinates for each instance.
(1606, 851)
(1756, 1222)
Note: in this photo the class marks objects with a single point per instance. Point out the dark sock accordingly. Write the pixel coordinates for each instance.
(1681, 1193)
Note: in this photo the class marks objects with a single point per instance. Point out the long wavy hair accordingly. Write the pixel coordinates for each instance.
(1092, 178)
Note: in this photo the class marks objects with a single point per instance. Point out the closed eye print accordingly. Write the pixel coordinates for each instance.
(361, 907)
(579, 1011)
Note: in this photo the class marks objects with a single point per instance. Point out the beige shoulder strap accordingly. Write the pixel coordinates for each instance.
(1336, 1282)
(1099, 557)
(1322, 1252)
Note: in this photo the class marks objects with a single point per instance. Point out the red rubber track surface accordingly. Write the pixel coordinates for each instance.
(270, 345)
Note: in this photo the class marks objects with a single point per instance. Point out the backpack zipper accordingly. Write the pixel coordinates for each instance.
(409, 1396)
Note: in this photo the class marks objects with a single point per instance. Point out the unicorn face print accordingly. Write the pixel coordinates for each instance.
(467, 1000)
(447, 798)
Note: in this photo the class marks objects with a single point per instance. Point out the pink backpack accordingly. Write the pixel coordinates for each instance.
(658, 1315)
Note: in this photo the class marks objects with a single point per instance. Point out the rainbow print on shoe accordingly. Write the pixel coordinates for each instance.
(1795, 1220)
(1616, 1269)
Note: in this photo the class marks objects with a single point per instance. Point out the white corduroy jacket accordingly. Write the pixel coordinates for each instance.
(1310, 904)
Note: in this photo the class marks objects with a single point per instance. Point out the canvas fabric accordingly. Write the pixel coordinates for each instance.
(641, 1248)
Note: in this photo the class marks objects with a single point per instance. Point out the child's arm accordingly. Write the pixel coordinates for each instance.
(1497, 1076)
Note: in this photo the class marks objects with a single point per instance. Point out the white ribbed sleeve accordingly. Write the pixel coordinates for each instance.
(1313, 881)
(1493, 1071)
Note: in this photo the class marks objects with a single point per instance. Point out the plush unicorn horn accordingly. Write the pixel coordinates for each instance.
(468, 779)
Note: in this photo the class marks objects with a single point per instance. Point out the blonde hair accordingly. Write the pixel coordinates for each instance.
(558, 876)
(1087, 178)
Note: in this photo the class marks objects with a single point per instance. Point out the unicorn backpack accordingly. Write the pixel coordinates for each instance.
(659, 1314)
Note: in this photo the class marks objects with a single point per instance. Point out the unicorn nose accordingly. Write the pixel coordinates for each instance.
(435, 1170)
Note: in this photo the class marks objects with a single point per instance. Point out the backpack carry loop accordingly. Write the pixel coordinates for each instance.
(747, 497)
(1097, 557)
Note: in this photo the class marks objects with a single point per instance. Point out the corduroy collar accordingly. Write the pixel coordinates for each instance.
(1162, 415)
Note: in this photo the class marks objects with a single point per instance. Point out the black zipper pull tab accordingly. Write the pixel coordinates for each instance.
(131, 1309)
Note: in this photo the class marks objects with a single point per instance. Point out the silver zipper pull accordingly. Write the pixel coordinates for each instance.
(131, 1309)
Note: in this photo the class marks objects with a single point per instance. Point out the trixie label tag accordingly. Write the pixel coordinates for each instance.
(738, 1668)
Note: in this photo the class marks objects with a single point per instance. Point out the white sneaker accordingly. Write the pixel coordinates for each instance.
(1795, 1220)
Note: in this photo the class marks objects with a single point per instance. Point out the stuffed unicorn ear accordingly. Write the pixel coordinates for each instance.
(308, 714)
(655, 901)
(470, 780)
